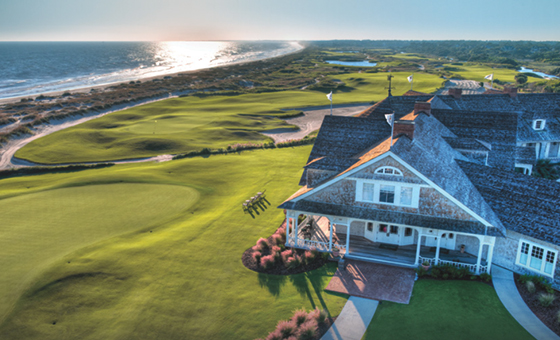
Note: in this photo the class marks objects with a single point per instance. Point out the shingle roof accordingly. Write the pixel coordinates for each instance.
(525, 155)
(401, 105)
(525, 204)
(463, 143)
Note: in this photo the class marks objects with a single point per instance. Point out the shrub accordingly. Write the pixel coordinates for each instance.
(485, 277)
(286, 328)
(421, 271)
(319, 315)
(315, 252)
(267, 261)
(436, 272)
(262, 244)
(277, 239)
(445, 276)
(464, 273)
(530, 286)
(257, 256)
(286, 254)
(276, 335)
(546, 299)
(293, 262)
(309, 256)
(300, 316)
(307, 330)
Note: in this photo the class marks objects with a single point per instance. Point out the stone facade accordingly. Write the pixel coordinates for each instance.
(431, 202)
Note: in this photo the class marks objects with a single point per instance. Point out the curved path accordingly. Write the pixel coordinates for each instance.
(504, 285)
(353, 321)
(312, 119)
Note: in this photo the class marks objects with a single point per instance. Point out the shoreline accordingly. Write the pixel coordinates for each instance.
(104, 87)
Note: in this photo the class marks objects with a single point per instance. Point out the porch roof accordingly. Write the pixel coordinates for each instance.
(388, 216)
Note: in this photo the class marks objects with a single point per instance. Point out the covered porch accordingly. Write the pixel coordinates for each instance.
(422, 245)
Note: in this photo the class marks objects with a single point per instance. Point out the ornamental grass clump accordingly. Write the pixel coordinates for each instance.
(267, 261)
(300, 316)
(262, 245)
(293, 262)
(530, 285)
(309, 256)
(257, 257)
(546, 299)
(286, 328)
(307, 330)
(276, 335)
(319, 315)
(286, 254)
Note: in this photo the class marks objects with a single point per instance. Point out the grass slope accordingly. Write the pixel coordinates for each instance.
(193, 123)
(185, 280)
(41, 227)
(446, 310)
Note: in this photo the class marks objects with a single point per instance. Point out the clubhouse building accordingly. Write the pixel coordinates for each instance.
(449, 184)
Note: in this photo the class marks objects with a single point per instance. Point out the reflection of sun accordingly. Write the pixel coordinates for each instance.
(197, 54)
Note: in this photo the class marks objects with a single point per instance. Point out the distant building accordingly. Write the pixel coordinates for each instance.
(444, 192)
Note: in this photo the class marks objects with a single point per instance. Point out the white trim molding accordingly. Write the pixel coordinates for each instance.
(536, 257)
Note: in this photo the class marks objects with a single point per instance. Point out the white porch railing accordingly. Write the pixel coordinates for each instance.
(311, 244)
(469, 266)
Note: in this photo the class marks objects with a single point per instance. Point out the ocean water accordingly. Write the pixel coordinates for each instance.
(31, 68)
(544, 75)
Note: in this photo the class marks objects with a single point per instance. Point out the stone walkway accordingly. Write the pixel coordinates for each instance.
(353, 321)
(504, 285)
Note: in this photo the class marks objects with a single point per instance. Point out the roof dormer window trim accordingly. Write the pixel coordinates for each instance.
(539, 124)
(388, 170)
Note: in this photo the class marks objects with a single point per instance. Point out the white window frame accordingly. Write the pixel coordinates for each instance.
(530, 251)
(541, 121)
(397, 200)
(381, 171)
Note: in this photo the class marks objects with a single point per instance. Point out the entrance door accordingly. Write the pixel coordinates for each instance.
(447, 241)
(387, 233)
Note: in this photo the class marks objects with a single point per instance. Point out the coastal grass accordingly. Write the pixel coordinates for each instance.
(181, 125)
(177, 276)
(446, 310)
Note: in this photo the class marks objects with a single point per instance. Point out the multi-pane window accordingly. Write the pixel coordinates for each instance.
(536, 257)
(383, 228)
(370, 226)
(388, 170)
(394, 229)
(384, 192)
(408, 232)
(367, 193)
(406, 196)
(387, 194)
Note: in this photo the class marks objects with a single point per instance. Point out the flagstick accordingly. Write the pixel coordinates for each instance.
(492, 84)
(331, 107)
(412, 82)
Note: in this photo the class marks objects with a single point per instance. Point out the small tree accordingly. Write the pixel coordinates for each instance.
(520, 78)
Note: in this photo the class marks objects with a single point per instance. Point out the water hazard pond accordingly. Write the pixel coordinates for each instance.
(364, 63)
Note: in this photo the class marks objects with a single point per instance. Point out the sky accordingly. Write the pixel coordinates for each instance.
(183, 20)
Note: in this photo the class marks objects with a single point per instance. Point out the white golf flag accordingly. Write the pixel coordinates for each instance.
(409, 79)
(490, 76)
(389, 117)
(330, 96)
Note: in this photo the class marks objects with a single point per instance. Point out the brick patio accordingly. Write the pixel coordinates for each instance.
(374, 281)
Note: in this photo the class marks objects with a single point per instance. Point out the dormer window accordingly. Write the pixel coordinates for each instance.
(538, 124)
(388, 170)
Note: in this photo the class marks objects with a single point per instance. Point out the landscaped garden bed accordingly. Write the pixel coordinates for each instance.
(449, 272)
(271, 256)
(540, 298)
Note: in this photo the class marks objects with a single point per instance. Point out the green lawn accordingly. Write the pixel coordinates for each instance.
(477, 72)
(41, 227)
(183, 280)
(446, 310)
(192, 123)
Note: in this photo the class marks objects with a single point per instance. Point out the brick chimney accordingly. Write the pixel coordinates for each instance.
(511, 90)
(455, 92)
(403, 127)
(423, 107)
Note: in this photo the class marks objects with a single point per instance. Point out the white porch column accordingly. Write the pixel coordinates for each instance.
(418, 246)
(331, 230)
(296, 226)
(479, 255)
(490, 254)
(437, 248)
(348, 237)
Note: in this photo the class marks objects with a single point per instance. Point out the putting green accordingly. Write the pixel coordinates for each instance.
(40, 228)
